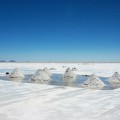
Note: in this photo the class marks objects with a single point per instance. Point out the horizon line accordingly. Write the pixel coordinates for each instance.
(56, 62)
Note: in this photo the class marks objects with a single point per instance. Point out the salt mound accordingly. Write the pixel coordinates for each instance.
(47, 71)
(69, 76)
(52, 69)
(40, 76)
(115, 78)
(16, 74)
(93, 82)
(74, 69)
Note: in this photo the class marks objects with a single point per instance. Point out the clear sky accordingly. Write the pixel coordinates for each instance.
(60, 30)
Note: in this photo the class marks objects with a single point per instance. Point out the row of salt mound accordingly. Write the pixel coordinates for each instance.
(69, 76)
(93, 81)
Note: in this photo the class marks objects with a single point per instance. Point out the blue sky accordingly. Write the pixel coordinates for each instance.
(60, 30)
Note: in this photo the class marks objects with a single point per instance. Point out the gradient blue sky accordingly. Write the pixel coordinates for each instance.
(60, 30)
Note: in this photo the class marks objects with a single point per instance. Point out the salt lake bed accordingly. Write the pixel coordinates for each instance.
(23, 100)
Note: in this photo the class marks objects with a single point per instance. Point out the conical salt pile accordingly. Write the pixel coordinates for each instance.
(74, 69)
(115, 78)
(47, 71)
(93, 82)
(69, 76)
(16, 74)
(40, 76)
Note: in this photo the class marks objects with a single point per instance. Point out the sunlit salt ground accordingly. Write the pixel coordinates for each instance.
(22, 100)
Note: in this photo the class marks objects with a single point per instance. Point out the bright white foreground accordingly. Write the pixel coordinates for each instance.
(27, 101)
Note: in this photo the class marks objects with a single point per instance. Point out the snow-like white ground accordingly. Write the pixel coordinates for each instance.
(28, 101)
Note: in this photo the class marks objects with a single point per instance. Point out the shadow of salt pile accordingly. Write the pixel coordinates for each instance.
(57, 79)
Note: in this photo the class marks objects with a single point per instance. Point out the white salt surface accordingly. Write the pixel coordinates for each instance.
(27, 101)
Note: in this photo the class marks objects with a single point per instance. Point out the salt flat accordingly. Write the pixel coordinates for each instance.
(27, 101)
